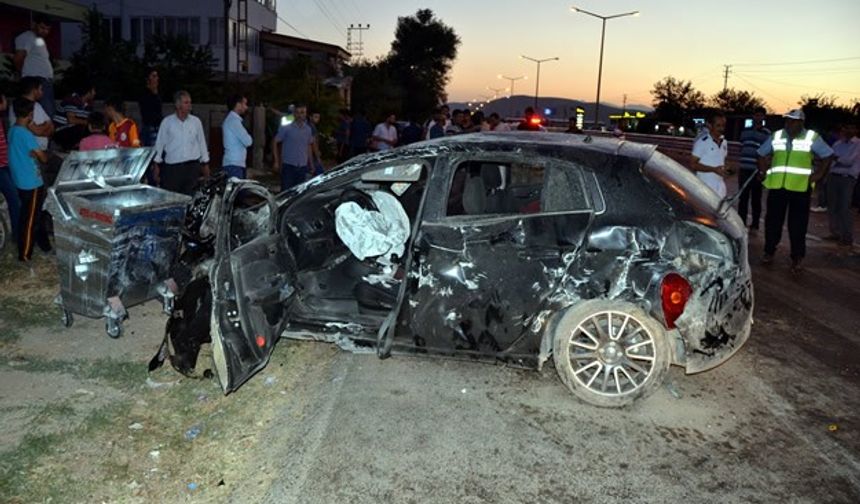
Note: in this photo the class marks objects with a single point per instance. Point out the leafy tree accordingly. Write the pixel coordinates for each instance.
(735, 101)
(674, 100)
(420, 60)
(181, 66)
(823, 114)
(112, 66)
(410, 80)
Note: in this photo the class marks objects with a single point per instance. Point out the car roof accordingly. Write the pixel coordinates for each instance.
(562, 141)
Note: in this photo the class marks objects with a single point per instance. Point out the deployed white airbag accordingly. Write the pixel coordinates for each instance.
(372, 233)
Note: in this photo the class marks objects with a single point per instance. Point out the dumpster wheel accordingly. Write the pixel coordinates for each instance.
(67, 318)
(113, 328)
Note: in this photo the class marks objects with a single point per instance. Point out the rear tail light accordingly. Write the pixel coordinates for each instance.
(674, 293)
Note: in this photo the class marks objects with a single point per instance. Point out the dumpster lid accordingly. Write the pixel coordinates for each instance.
(107, 167)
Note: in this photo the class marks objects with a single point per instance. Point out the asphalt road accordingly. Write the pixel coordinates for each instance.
(777, 423)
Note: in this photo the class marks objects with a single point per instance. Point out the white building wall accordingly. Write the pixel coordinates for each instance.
(132, 17)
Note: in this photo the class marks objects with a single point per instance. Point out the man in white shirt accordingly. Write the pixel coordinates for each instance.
(42, 126)
(33, 60)
(709, 154)
(385, 134)
(181, 147)
(235, 137)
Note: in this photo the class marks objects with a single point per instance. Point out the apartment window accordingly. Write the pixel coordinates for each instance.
(147, 30)
(216, 31)
(194, 30)
(112, 28)
(136, 38)
(234, 39)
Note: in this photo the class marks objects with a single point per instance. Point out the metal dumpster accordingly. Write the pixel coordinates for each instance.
(115, 238)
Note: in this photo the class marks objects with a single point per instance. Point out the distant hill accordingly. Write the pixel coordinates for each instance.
(561, 107)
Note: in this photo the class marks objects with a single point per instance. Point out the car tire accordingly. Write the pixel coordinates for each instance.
(610, 368)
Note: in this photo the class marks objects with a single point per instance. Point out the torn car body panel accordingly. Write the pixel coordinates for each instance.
(252, 285)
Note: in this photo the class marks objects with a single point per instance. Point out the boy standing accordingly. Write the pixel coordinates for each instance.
(97, 140)
(24, 152)
(122, 130)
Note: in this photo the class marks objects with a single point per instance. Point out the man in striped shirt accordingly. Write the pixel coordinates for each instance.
(71, 117)
(751, 139)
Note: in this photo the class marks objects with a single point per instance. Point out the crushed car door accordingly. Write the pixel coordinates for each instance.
(484, 266)
(252, 284)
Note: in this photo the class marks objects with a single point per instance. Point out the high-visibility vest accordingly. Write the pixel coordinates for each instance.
(791, 169)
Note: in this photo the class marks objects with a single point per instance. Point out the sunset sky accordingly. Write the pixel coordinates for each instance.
(689, 39)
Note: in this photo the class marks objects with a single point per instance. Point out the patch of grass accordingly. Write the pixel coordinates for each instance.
(20, 480)
(53, 410)
(118, 373)
(18, 315)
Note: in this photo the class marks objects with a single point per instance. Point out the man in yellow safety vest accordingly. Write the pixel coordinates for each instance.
(787, 161)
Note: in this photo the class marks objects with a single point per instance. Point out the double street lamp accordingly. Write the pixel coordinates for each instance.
(600, 66)
(537, 79)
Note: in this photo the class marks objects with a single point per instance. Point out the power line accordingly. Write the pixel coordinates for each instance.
(808, 62)
(355, 8)
(763, 92)
(817, 88)
(338, 13)
(330, 18)
(290, 26)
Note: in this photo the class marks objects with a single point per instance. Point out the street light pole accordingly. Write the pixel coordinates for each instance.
(512, 80)
(600, 64)
(537, 79)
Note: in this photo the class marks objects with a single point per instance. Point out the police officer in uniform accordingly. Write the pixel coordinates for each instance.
(786, 160)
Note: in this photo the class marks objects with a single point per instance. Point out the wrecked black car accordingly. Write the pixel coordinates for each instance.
(606, 256)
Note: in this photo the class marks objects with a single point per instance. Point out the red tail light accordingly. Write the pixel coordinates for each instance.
(674, 293)
(535, 120)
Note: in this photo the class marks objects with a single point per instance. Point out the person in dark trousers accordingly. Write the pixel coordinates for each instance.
(24, 156)
(359, 134)
(840, 186)
(235, 138)
(150, 110)
(292, 149)
(751, 139)
(341, 135)
(7, 186)
(150, 115)
(787, 160)
(181, 147)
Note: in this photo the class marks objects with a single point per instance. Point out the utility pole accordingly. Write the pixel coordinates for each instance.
(226, 43)
(356, 49)
(624, 105)
(726, 72)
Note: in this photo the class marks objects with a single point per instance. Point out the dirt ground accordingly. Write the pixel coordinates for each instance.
(82, 421)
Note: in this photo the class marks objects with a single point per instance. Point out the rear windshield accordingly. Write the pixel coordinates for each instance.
(681, 184)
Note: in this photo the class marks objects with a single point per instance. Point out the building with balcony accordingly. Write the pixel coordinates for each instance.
(200, 21)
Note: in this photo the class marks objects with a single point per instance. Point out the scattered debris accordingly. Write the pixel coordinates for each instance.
(157, 385)
(270, 380)
(136, 426)
(192, 433)
(670, 386)
(192, 486)
(833, 427)
(155, 454)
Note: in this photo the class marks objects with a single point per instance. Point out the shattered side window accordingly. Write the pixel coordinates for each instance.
(515, 188)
